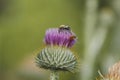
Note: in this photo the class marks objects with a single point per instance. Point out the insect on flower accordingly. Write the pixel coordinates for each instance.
(63, 27)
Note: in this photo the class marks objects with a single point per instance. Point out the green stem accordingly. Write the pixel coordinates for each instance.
(54, 75)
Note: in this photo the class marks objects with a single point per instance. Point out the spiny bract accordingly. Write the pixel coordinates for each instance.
(56, 58)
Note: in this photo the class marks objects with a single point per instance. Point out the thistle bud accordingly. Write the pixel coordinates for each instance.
(57, 59)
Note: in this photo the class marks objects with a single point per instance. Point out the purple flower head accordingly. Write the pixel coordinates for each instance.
(62, 36)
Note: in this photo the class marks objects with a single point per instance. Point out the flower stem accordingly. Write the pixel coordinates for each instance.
(54, 75)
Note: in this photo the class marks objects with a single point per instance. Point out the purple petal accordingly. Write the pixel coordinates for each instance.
(60, 36)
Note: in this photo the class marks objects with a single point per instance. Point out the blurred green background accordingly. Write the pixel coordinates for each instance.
(23, 24)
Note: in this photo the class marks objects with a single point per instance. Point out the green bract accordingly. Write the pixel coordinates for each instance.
(56, 58)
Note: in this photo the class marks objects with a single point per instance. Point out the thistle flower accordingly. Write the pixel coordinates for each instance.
(114, 73)
(62, 36)
(57, 56)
